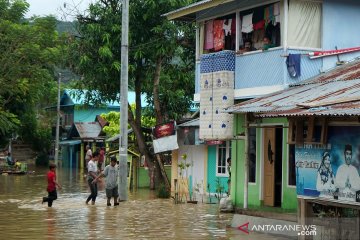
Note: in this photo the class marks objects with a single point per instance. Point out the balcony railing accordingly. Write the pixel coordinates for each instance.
(261, 72)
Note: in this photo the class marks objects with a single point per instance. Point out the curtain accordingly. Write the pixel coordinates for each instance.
(304, 28)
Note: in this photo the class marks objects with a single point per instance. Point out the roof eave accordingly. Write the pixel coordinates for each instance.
(188, 13)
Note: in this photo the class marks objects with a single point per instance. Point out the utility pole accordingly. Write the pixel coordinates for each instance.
(56, 157)
(123, 140)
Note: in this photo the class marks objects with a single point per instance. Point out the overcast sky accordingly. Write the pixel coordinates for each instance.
(53, 7)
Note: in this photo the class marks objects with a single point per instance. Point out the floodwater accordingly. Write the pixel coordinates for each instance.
(143, 216)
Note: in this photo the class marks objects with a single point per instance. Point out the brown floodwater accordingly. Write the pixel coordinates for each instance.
(143, 216)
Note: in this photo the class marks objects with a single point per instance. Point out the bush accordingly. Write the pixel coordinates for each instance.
(163, 192)
(42, 159)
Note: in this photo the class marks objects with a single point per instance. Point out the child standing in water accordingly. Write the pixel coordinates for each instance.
(51, 188)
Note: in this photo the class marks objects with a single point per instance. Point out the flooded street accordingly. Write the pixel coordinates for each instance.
(143, 216)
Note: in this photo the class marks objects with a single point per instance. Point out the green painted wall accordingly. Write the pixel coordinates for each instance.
(289, 199)
(143, 176)
(211, 172)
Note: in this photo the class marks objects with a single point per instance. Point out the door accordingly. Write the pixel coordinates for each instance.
(269, 166)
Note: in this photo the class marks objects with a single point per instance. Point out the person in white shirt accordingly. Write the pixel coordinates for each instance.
(92, 174)
(347, 177)
(111, 172)
(88, 154)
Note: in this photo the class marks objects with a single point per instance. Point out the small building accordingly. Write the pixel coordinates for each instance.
(321, 157)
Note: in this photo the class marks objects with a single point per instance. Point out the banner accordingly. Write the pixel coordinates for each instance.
(165, 144)
(164, 130)
(330, 171)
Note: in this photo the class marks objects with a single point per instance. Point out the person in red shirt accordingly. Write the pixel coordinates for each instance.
(101, 159)
(51, 188)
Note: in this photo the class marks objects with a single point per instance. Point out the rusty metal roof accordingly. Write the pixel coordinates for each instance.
(334, 93)
(88, 129)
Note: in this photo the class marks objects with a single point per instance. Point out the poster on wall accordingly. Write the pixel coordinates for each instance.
(332, 170)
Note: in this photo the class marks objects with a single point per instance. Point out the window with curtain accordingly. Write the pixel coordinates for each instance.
(304, 28)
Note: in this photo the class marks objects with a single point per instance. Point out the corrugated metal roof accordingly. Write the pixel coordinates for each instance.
(191, 123)
(347, 71)
(335, 93)
(88, 129)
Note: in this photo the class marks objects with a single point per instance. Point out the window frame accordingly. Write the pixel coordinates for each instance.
(227, 148)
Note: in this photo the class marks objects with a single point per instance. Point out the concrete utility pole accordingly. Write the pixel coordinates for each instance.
(56, 157)
(123, 140)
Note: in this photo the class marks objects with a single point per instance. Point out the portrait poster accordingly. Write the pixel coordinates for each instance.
(330, 170)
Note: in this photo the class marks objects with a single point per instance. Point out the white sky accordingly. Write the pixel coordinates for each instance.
(56, 7)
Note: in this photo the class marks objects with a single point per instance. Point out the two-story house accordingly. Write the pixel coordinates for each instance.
(246, 49)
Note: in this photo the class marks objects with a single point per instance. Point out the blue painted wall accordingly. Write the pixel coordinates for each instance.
(340, 28)
(211, 172)
(269, 69)
(89, 114)
(259, 69)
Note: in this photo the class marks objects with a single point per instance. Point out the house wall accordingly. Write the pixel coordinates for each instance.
(211, 172)
(255, 198)
(196, 156)
(143, 176)
(340, 19)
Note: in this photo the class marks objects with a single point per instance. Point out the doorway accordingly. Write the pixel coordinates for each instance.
(273, 148)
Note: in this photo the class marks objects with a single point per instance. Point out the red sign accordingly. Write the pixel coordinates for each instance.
(244, 228)
(214, 142)
(164, 130)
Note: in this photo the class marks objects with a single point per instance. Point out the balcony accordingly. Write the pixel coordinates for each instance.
(261, 72)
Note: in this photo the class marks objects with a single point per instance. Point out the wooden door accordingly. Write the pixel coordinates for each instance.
(269, 166)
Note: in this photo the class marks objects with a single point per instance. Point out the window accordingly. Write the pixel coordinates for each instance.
(291, 166)
(260, 28)
(219, 34)
(223, 153)
(252, 155)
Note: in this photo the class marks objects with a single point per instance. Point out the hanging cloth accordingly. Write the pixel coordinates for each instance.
(247, 23)
(219, 35)
(276, 13)
(293, 65)
(269, 15)
(209, 38)
(227, 26)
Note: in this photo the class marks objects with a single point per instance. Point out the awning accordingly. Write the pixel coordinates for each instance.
(334, 93)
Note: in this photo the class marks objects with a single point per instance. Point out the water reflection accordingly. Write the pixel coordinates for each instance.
(143, 216)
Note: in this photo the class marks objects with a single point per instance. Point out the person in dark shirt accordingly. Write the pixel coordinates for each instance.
(267, 43)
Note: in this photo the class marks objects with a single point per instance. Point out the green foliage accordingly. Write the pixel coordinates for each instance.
(42, 140)
(114, 122)
(95, 55)
(219, 189)
(42, 159)
(29, 52)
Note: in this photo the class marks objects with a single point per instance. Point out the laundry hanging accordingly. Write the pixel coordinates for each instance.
(293, 65)
(219, 35)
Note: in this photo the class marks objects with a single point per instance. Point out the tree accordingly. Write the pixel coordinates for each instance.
(161, 58)
(29, 52)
